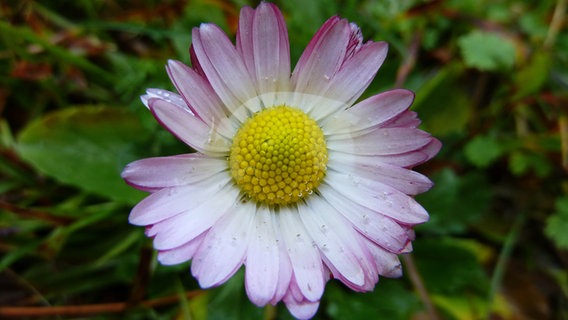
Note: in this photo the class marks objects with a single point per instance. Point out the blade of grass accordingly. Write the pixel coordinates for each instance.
(501, 264)
(119, 248)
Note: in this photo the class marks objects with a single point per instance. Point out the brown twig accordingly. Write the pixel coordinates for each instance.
(556, 23)
(418, 284)
(409, 61)
(90, 309)
(35, 214)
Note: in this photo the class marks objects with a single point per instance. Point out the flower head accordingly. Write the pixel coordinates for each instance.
(292, 178)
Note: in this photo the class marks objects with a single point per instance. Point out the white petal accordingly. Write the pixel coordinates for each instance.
(169, 202)
(223, 66)
(369, 113)
(284, 268)
(163, 95)
(357, 72)
(152, 174)
(301, 309)
(201, 98)
(262, 41)
(382, 230)
(185, 226)
(381, 141)
(189, 129)
(402, 179)
(378, 197)
(387, 263)
(305, 258)
(338, 242)
(223, 250)
(322, 58)
(182, 253)
(262, 259)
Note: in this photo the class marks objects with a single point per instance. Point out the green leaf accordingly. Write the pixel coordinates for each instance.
(449, 266)
(390, 300)
(442, 104)
(557, 224)
(520, 162)
(86, 147)
(468, 307)
(487, 51)
(483, 150)
(229, 301)
(532, 77)
(454, 202)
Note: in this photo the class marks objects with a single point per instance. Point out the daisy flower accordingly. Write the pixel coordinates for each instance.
(293, 178)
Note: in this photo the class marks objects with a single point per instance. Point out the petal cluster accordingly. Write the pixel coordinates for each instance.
(361, 215)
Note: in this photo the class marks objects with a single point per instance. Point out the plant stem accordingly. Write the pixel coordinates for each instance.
(418, 284)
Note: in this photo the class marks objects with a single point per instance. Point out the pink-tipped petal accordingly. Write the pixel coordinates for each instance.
(284, 268)
(388, 264)
(163, 95)
(262, 41)
(222, 65)
(244, 39)
(369, 113)
(322, 58)
(262, 259)
(303, 309)
(378, 197)
(337, 241)
(189, 129)
(407, 159)
(223, 250)
(152, 174)
(429, 151)
(357, 72)
(382, 141)
(200, 97)
(169, 202)
(182, 253)
(305, 259)
(180, 229)
(407, 119)
(382, 230)
(402, 179)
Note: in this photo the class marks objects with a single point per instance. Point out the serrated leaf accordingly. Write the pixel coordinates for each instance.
(483, 150)
(86, 147)
(557, 224)
(487, 51)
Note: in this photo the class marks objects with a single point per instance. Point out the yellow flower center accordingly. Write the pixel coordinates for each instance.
(278, 156)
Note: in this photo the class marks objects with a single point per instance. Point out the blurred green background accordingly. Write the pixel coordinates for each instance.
(491, 78)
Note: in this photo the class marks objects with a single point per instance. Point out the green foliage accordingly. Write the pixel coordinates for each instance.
(86, 147)
(557, 224)
(522, 162)
(483, 150)
(391, 300)
(490, 79)
(487, 51)
(454, 202)
(442, 103)
(462, 272)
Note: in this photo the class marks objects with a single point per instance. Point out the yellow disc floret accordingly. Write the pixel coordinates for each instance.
(278, 156)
